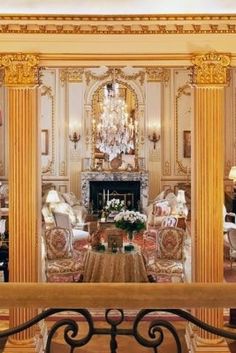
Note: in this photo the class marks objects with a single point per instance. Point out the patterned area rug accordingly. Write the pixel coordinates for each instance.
(229, 273)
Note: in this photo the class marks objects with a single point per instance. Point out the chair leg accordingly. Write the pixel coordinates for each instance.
(6, 274)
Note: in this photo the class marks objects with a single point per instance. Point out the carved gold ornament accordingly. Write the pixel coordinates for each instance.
(20, 69)
(113, 25)
(211, 68)
(157, 74)
(71, 75)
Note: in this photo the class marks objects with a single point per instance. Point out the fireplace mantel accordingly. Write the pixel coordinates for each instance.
(86, 177)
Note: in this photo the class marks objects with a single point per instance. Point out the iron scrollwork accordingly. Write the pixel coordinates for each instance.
(114, 317)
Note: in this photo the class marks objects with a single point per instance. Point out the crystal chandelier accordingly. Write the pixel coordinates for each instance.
(115, 131)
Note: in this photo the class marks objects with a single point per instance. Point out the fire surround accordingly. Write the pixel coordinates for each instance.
(86, 177)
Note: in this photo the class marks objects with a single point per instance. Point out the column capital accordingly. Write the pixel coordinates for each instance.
(20, 69)
(210, 69)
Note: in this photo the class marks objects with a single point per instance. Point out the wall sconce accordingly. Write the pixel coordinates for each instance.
(74, 138)
(154, 138)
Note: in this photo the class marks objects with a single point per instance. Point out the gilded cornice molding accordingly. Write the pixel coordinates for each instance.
(118, 24)
(20, 69)
(157, 74)
(211, 68)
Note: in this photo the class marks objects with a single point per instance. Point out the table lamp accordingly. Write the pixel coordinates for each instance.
(232, 176)
(52, 199)
(182, 208)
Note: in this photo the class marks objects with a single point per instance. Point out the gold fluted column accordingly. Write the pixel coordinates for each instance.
(21, 78)
(209, 77)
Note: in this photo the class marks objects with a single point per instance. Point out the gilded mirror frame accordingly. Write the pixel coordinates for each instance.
(99, 160)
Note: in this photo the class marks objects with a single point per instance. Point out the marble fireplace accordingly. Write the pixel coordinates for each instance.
(96, 187)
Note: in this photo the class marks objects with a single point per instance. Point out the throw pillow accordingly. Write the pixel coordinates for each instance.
(161, 208)
(58, 243)
(70, 198)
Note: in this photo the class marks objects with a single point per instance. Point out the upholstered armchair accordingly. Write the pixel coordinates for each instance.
(79, 236)
(229, 220)
(170, 257)
(232, 245)
(62, 264)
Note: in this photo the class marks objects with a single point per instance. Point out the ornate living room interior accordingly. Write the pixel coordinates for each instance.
(118, 161)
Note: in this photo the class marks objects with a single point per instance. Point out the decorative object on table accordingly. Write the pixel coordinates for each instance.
(181, 203)
(116, 163)
(131, 222)
(114, 206)
(232, 176)
(114, 240)
(95, 239)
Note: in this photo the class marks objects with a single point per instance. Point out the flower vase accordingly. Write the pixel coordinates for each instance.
(130, 236)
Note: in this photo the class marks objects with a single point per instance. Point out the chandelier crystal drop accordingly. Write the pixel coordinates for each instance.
(115, 131)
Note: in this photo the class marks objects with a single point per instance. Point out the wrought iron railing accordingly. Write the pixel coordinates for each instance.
(114, 295)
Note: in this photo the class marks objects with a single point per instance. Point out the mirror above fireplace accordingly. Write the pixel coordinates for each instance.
(115, 145)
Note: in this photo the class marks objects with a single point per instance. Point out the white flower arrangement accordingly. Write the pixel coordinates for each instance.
(130, 221)
(115, 205)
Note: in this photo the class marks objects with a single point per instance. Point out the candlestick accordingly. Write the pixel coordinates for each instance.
(107, 195)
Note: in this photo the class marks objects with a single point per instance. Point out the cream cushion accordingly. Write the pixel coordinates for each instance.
(65, 208)
(70, 198)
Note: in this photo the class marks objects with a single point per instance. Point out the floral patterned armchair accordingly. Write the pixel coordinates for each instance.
(62, 264)
(170, 257)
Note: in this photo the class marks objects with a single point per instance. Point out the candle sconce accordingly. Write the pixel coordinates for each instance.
(154, 138)
(74, 138)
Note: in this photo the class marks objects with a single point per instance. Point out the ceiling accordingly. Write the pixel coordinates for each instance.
(117, 7)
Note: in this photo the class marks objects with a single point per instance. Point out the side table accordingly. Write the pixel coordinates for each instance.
(105, 266)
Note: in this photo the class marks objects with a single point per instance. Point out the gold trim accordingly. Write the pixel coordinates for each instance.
(167, 170)
(47, 91)
(62, 168)
(118, 17)
(138, 137)
(157, 74)
(71, 75)
(181, 91)
(1, 168)
(118, 72)
(211, 68)
(118, 24)
(20, 69)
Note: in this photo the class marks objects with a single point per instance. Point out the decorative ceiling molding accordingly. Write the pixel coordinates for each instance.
(118, 24)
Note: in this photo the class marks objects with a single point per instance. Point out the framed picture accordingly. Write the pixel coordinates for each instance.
(114, 239)
(187, 143)
(44, 142)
